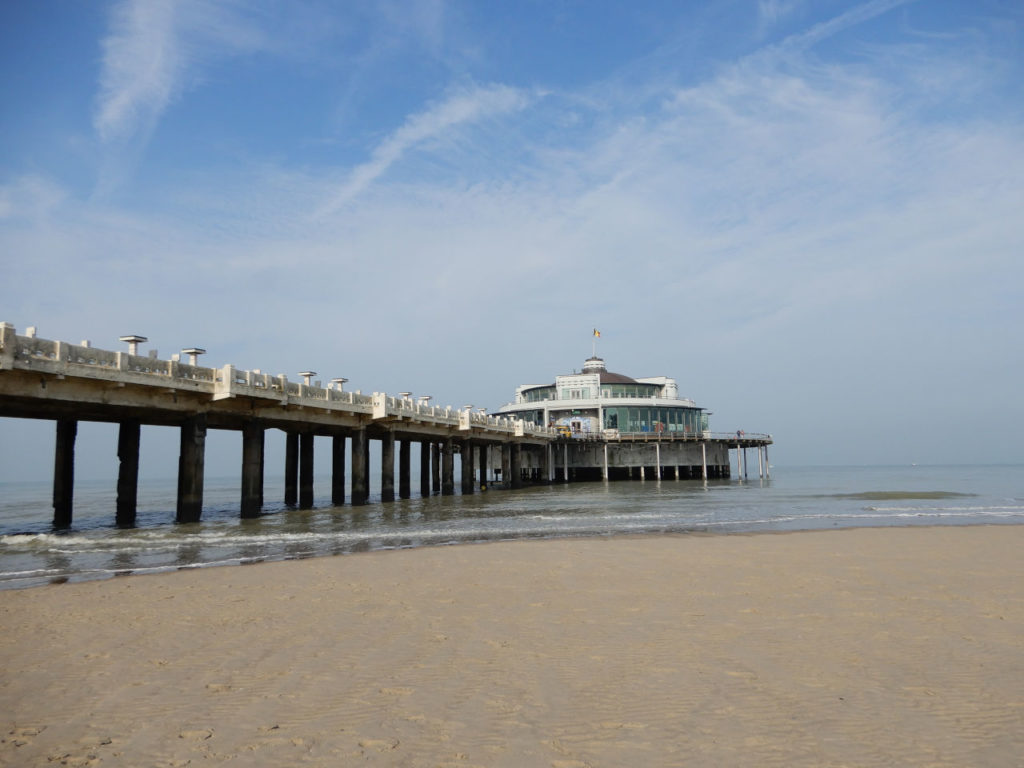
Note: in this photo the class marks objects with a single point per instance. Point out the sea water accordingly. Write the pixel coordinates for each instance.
(794, 498)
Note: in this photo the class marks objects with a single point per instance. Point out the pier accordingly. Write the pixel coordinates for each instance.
(70, 383)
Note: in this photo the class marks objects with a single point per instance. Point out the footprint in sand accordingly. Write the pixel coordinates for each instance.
(379, 744)
(19, 737)
(197, 735)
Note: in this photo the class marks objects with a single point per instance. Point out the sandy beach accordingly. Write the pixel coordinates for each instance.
(869, 647)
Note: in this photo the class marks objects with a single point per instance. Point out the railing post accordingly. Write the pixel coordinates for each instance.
(8, 345)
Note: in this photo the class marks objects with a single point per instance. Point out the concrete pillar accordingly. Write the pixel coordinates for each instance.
(704, 460)
(291, 468)
(485, 451)
(425, 468)
(760, 463)
(306, 470)
(516, 456)
(190, 469)
(468, 481)
(360, 480)
(565, 463)
(366, 465)
(64, 472)
(744, 463)
(545, 463)
(253, 434)
(767, 466)
(657, 459)
(128, 436)
(387, 467)
(404, 470)
(604, 466)
(338, 470)
(506, 465)
(435, 467)
(448, 467)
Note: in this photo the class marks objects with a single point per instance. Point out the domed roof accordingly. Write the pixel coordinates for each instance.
(596, 365)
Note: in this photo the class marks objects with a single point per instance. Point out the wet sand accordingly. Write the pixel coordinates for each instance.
(870, 647)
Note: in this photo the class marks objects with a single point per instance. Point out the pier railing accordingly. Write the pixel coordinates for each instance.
(64, 360)
(747, 439)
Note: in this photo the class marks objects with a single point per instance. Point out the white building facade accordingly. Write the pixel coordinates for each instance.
(599, 403)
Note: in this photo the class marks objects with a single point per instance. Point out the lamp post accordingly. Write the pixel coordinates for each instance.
(193, 354)
(307, 376)
(339, 382)
(133, 342)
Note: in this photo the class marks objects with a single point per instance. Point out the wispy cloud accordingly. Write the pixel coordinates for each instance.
(142, 66)
(464, 106)
(771, 12)
(857, 15)
(153, 48)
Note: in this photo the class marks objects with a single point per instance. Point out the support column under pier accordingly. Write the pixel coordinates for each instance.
(64, 472)
(506, 465)
(516, 466)
(291, 468)
(360, 485)
(190, 469)
(435, 467)
(468, 481)
(128, 435)
(424, 468)
(387, 467)
(404, 469)
(338, 470)
(253, 434)
(485, 450)
(448, 467)
(306, 470)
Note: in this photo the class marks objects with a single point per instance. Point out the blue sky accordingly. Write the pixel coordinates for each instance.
(809, 213)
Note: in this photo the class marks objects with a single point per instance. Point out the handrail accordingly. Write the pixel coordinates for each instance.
(32, 353)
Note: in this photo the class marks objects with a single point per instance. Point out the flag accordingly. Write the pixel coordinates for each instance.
(597, 334)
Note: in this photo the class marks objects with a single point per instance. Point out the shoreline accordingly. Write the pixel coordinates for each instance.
(866, 646)
(141, 572)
